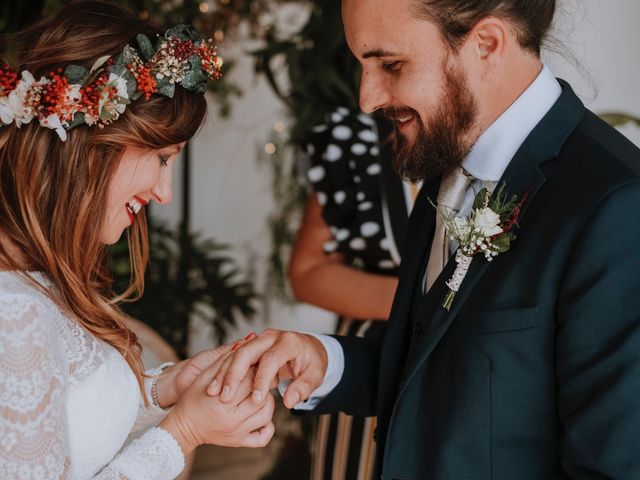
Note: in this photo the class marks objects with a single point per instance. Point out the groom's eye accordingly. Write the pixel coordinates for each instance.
(392, 66)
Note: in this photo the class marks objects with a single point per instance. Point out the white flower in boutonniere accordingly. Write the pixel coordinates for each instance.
(487, 231)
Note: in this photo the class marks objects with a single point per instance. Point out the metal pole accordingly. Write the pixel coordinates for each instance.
(185, 246)
(185, 222)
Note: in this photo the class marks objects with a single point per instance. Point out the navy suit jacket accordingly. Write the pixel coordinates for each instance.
(534, 373)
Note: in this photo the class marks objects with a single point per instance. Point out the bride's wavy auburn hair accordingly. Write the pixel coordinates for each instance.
(53, 194)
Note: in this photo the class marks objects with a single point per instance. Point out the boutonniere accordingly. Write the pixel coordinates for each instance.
(488, 230)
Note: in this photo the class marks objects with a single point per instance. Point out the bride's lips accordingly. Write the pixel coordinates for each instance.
(132, 218)
(133, 207)
(142, 201)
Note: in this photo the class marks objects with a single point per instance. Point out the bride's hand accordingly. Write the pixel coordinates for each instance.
(175, 380)
(199, 419)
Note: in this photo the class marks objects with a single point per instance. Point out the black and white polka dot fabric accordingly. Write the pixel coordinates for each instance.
(345, 174)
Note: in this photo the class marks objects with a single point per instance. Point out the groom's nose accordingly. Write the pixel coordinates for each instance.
(374, 91)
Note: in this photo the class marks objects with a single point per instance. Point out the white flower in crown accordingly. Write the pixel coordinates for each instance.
(110, 106)
(74, 93)
(54, 123)
(14, 108)
(105, 100)
(120, 84)
(67, 110)
(487, 222)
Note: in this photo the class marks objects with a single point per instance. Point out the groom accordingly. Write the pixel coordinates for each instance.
(534, 372)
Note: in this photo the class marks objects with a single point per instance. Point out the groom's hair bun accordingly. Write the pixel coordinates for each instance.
(456, 18)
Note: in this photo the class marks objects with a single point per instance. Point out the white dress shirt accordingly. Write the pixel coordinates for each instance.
(486, 162)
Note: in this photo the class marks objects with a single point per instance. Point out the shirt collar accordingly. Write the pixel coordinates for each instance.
(496, 146)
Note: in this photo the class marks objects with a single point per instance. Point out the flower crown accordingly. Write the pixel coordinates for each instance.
(64, 99)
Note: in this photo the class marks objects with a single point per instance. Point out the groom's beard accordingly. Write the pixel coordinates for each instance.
(441, 145)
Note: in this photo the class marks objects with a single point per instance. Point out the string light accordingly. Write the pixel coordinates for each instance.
(270, 148)
(279, 126)
(204, 7)
(218, 35)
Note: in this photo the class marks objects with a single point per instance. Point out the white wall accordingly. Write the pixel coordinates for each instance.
(231, 195)
(604, 36)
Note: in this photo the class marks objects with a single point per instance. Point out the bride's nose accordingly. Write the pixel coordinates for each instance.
(163, 190)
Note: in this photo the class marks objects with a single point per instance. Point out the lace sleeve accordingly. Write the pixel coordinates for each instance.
(34, 440)
(154, 456)
(33, 430)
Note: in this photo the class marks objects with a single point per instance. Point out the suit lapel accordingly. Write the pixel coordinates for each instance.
(523, 176)
(421, 226)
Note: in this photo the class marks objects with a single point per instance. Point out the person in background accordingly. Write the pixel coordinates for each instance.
(93, 118)
(346, 257)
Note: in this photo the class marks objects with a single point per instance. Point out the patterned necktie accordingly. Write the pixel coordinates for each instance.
(451, 195)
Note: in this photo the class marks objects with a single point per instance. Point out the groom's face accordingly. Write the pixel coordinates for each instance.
(411, 74)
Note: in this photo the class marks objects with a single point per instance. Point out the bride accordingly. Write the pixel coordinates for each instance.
(94, 109)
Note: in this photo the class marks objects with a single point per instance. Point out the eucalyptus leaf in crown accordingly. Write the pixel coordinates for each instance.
(75, 95)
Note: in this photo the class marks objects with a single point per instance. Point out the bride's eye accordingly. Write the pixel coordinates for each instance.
(164, 160)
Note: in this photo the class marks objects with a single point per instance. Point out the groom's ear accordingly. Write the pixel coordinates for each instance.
(487, 50)
(488, 42)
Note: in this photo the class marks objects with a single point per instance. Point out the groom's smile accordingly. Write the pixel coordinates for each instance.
(422, 86)
(403, 118)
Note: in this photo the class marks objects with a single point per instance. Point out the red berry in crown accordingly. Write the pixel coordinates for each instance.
(8, 80)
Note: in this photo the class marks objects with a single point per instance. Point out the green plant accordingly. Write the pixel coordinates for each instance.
(321, 71)
(321, 74)
(212, 288)
(289, 196)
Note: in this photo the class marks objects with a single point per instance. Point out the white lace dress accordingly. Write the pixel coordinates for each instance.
(69, 402)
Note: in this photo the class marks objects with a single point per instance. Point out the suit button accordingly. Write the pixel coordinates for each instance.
(417, 328)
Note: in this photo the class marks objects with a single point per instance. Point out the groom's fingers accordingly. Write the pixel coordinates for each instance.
(309, 373)
(206, 358)
(244, 388)
(236, 366)
(272, 350)
(303, 386)
(223, 362)
(221, 366)
(305, 358)
(287, 349)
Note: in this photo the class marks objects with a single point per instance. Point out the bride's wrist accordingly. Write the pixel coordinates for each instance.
(176, 429)
(162, 392)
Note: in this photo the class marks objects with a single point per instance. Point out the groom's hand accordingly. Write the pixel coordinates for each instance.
(177, 379)
(278, 356)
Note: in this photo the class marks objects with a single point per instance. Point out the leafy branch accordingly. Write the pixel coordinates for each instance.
(216, 290)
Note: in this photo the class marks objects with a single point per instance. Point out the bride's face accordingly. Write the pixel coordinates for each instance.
(143, 175)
